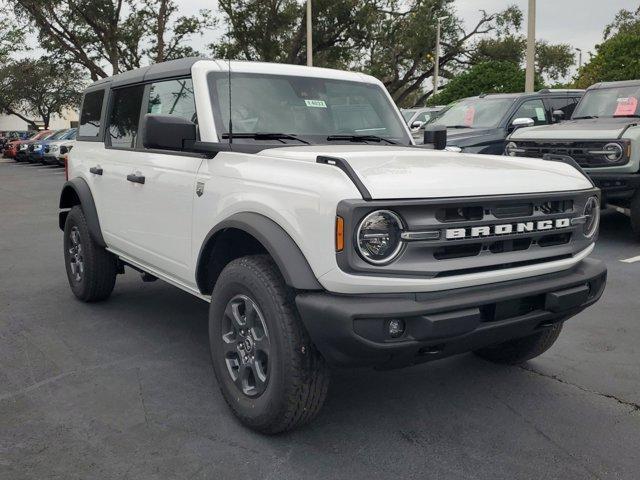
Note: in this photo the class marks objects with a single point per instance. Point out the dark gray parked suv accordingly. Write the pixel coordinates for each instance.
(481, 124)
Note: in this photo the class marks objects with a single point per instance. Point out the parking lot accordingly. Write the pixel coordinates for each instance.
(125, 389)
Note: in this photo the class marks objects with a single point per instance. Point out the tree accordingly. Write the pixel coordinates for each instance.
(507, 49)
(553, 61)
(38, 89)
(617, 57)
(487, 77)
(390, 39)
(123, 34)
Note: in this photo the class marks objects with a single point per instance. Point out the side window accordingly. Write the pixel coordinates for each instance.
(125, 115)
(567, 105)
(173, 97)
(90, 114)
(533, 109)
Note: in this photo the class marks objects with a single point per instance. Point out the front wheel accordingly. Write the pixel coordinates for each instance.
(270, 374)
(520, 350)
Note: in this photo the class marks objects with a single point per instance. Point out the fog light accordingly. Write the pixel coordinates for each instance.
(396, 328)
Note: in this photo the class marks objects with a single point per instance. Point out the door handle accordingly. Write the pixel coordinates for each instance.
(135, 178)
(96, 170)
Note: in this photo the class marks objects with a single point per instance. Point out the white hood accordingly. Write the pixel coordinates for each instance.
(405, 172)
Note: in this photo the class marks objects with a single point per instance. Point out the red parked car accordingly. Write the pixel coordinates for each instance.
(13, 148)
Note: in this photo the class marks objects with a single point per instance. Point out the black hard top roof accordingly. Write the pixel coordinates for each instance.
(623, 83)
(172, 68)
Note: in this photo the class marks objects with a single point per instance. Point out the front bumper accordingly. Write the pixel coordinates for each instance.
(616, 185)
(352, 330)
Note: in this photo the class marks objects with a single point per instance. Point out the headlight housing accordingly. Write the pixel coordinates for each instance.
(53, 148)
(378, 238)
(615, 152)
(511, 149)
(592, 217)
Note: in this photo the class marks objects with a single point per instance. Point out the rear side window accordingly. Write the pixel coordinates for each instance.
(125, 116)
(173, 97)
(567, 105)
(90, 114)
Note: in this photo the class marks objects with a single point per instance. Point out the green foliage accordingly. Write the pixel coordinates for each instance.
(487, 77)
(553, 61)
(617, 57)
(38, 89)
(507, 49)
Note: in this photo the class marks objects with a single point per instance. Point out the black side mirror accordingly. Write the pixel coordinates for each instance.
(167, 132)
(436, 135)
(557, 115)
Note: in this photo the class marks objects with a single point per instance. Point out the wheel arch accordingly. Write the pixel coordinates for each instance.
(267, 234)
(77, 192)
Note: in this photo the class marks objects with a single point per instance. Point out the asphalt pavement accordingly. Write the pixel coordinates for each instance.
(124, 389)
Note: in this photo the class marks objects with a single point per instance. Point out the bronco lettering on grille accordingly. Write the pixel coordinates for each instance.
(506, 229)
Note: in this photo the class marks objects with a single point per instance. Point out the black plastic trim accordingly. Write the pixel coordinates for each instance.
(343, 165)
(84, 195)
(349, 330)
(285, 252)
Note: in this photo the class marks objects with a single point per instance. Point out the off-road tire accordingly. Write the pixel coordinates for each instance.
(635, 214)
(99, 266)
(522, 349)
(298, 377)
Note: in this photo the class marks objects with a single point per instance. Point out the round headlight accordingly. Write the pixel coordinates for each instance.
(592, 217)
(615, 150)
(378, 237)
(511, 149)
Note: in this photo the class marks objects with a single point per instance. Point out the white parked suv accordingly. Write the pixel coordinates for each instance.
(294, 201)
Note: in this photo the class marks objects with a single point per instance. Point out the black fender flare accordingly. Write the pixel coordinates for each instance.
(283, 249)
(77, 192)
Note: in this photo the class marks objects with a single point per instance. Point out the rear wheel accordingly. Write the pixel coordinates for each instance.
(91, 270)
(522, 349)
(270, 374)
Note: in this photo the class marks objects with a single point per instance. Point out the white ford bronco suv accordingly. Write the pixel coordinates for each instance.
(603, 137)
(294, 201)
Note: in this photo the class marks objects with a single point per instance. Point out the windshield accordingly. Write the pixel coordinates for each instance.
(474, 113)
(407, 114)
(609, 102)
(313, 109)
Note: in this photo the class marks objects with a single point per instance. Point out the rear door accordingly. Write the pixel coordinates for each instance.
(153, 190)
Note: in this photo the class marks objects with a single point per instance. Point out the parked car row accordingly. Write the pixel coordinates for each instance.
(49, 147)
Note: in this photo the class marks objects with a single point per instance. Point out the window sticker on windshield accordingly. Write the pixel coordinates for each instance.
(626, 106)
(468, 116)
(315, 103)
(540, 114)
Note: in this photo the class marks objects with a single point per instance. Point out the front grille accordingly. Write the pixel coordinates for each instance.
(474, 235)
(578, 150)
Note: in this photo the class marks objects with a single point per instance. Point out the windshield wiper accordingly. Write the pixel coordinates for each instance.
(584, 117)
(459, 126)
(360, 138)
(267, 136)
